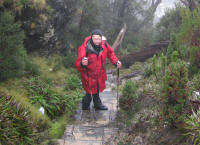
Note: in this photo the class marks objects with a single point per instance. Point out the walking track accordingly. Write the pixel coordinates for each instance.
(94, 128)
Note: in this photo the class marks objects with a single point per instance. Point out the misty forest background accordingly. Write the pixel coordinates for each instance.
(38, 47)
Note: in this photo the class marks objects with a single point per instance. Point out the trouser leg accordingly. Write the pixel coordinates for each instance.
(86, 102)
(97, 101)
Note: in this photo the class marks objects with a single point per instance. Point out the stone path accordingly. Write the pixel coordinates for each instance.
(93, 128)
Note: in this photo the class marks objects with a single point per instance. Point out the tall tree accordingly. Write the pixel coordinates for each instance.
(136, 14)
(191, 4)
(89, 18)
(169, 23)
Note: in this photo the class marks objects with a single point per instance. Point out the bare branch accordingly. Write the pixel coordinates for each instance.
(190, 4)
(153, 1)
(184, 2)
(151, 11)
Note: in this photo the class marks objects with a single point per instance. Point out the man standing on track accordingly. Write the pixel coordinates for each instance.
(90, 63)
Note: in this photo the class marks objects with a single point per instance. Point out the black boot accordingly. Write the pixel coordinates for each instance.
(86, 102)
(98, 104)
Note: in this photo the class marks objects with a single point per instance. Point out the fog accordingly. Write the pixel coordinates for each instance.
(163, 6)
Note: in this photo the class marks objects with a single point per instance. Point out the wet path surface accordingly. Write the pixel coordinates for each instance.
(94, 127)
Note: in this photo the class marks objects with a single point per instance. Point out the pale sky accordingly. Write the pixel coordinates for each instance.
(163, 6)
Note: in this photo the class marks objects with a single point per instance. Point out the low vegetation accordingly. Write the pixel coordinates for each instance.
(58, 92)
(169, 89)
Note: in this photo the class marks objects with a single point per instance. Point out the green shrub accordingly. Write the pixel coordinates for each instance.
(189, 27)
(174, 91)
(71, 101)
(183, 51)
(57, 63)
(68, 60)
(57, 129)
(12, 52)
(129, 96)
(172, 47)
(174, 56)
(155, 66)
(188, 37)
(32, 68)
(194, 60)
(73, 82)
(148, 71)
(163, 59)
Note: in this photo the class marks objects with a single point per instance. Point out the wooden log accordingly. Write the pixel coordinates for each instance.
(143, 54)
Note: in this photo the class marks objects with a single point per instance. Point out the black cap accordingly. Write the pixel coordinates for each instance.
(97, 32)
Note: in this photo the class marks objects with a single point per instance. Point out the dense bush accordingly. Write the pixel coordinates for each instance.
(129, 96)
(175, 91)
(156, 67)
(31, 68)
(173, 46)
(169, 23)
(68, 60)
(194, 60)
(73, 82)
(13, 57)
(189, 38)
(12, 52)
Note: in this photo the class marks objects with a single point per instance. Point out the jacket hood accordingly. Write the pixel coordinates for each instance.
(88, 38)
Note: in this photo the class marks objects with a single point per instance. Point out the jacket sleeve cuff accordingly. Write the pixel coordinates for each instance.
(117, 62)
(82, 65)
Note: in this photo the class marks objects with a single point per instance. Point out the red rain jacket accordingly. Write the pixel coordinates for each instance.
(95, 68)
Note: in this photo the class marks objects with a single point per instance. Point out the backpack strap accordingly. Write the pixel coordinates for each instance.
(105, 43)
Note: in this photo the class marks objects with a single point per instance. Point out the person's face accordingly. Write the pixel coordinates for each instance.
(96, 39)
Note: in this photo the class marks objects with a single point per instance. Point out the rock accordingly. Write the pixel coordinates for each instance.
(195, 96)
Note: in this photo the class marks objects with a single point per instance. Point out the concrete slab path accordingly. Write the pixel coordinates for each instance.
(94, 128)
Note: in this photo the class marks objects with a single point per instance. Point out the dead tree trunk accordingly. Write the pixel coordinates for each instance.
(119, 39)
